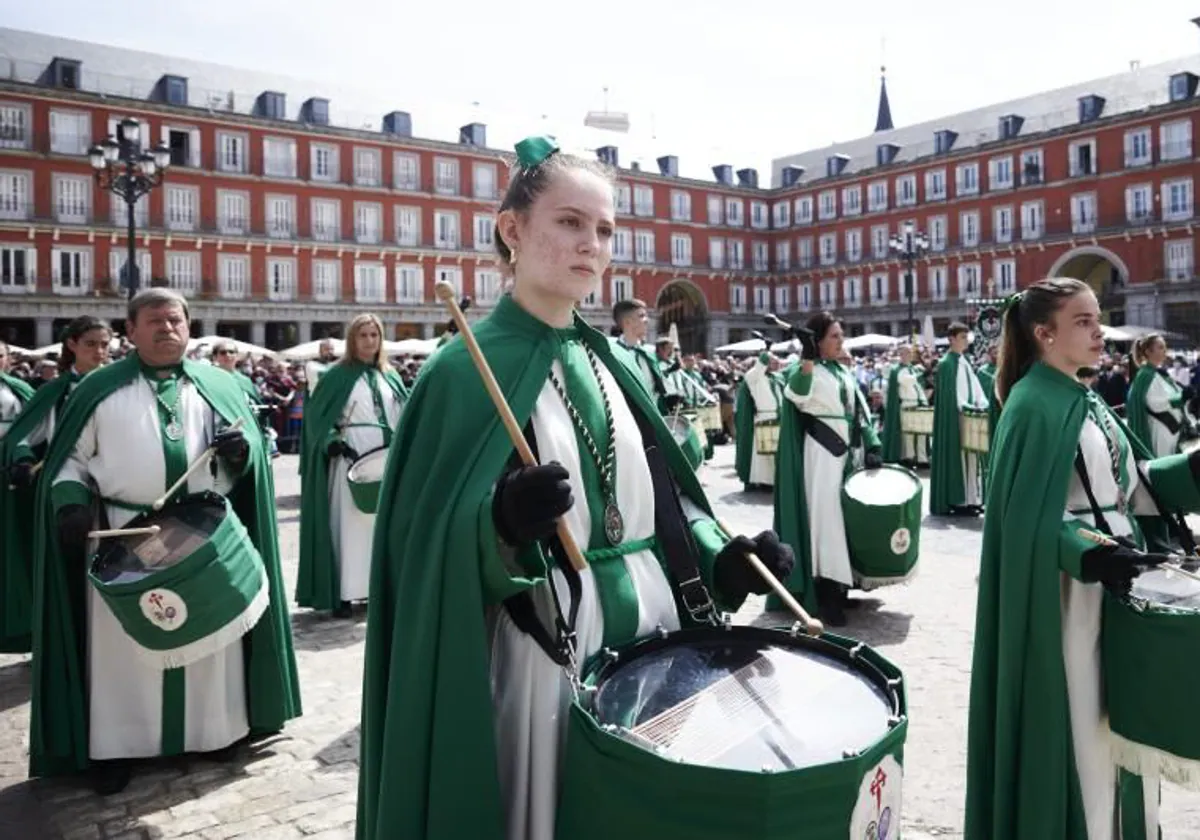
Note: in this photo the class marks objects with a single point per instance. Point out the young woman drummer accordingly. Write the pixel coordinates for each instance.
(354, 412)
(1154, 409)
(821, 423)
(1062, 468)
(472, 605)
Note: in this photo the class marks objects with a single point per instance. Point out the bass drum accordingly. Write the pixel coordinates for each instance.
(881, 510)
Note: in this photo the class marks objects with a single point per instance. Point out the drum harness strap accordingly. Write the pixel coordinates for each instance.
(822, 432)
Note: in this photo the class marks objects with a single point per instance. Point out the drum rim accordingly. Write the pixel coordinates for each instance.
(893, 467)
(361, 459)
(608, 661)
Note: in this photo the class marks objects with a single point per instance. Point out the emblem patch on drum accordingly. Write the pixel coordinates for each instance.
(877, 811)
(163, 608)
(901, 540)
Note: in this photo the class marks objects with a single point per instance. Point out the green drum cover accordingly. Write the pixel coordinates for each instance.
(613, 789)
(192, 609)
(881, 510)
(365, 477)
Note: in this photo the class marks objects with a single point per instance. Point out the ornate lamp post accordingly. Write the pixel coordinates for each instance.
(124, 169)
(910, 246)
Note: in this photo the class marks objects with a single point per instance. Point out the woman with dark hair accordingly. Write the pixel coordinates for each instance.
(1154, 409)
(465, 693)
(1039, 760)
(821, 423)
(84, 348)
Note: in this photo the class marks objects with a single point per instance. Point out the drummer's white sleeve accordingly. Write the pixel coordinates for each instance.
(799, 389)
(72, 485)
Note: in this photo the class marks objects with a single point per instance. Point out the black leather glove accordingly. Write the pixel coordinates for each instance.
(231, 445)
(528, 500)
(1115, 565)
(736, 578)
(74, 522)
(872, 460)
(808, 344)
(21, 475)
(341, 449)
(673, 403)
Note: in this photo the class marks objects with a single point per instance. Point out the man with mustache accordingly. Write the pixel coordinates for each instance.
(128, 433)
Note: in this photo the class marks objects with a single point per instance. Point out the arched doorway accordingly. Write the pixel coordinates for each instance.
(681, 303)
(1101, 269)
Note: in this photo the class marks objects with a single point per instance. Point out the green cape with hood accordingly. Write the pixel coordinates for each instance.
(59, 724)
(428, 769)
(1021, 778)
(743, 426)
(1136, 411)
(946, 487)
(318, 584)
(891, 439)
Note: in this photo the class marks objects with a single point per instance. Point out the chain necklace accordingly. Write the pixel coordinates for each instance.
(614, 524)
(174, 429)
(1101, 419)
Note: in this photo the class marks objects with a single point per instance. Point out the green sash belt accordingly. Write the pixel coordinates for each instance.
(615, 589)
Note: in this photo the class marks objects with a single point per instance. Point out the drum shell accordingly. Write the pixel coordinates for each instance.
(974, 431)
(917, 420)
(690, 443)
(364, 494)
(642, 794)
(766, 438)
(873, 534)
(709, 418)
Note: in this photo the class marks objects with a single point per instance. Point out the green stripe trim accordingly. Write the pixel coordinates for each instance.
(70, 493)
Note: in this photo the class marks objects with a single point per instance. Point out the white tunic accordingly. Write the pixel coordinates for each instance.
(970, 394)
(642, 364)
(824, 473)
(1163, 441)
(766, 410)
(352, 530)
(10, 407)
(912, 447)
(119, 454)
(530, 693)
(1081, 621)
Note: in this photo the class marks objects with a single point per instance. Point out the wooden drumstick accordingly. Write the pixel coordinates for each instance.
(811, 625)
(447, 293)
(124, 532)
(200, 461)
(1104, 539)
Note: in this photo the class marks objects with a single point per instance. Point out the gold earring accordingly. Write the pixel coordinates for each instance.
(512, 257)
(1050, 340)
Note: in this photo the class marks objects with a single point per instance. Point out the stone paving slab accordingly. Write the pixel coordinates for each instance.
(301, 785)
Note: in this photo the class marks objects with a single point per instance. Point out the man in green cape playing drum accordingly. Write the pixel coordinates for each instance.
(129, 433)
(906, 389)
(955, 480)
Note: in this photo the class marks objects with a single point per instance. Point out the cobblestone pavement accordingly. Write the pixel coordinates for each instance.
(302, 783)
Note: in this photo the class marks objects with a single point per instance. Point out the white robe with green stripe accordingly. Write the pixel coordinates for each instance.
(10, 407)
(119, 454)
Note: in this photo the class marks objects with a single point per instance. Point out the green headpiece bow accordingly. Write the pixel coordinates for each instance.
(1012, 300)
(533, 151)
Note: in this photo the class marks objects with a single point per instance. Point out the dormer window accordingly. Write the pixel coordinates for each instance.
(943, 141)
(65, 73)
(1183, 86)
(835, 165)
(1090, 107)
(1010, 126)
(792, 175)
(272, 105)
(885, 153)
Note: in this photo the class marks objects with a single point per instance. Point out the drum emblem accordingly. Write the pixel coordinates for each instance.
(878, 806)
(163, 608)
(901, 540)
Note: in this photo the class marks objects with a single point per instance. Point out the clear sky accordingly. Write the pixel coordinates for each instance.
(737, 82)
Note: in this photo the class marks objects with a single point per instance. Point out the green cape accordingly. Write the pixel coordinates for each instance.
(20, 387)
(428, 768)
(16, 511)
(946, 487)
(743, 426)
(791, 507)
(1021, 778)
(1136, 413)
(892, 449)
(247, 385)
(318, 584)
(59, 724)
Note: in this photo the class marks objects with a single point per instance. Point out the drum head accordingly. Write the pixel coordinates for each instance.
(1167, 589)
(680, 426)
(370, 467)
(744, 704)
(184, 528)
(882, 487)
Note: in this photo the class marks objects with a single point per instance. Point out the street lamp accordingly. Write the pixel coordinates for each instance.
(124, 169)
(910, 246)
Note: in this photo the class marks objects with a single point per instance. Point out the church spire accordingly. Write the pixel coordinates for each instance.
(883, 121)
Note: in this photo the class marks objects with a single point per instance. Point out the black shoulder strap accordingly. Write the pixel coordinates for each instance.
(1081, 471)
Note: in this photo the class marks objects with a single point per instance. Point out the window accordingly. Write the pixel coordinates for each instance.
(116, 130)
(118, 258)
(368, 168)
(1000, 173)
(14, 195)
(733, 212)
(879, 242)
(233, 212)
(485, 226)
(783, 299)
(643, 246)
(937, 284)
(408, 226)
(1138, 206)
(828, 248)
(70, 132)
(327, 280)
(281, 278)
(72, 199)
(879, 288)
(231, 152)
(1083, 213)
(1002, 224)
(1032, 220)
(72, 270)
(1180, 259)
(804, 210)
(760, 256)
(370, 282)
(15, 130)
(716, 252)
(783, 255)
(827, 202)
(852, 291)
(804, 252)
(18, 269)
(1031, 166)
(852, 200)
(622, 245)
(410, 284)
(183, 144)
(141, 211)
(715, 206)
(854, 245)
(1082, 160)
(938, 233)
(935, 185)
(233, 276)
(966, 179)
(968, 228)
(281, 216)
(877, 196)
(681, 206)
(326, 219)
(643, 200)
(968, 280)
(762, 298)
(735, 248)
(453, 276)
(909, 285)
(804, 294)
(324, 162)
(828, 294)
(681, 249)
(445, 177)
(622, 288)
(182, 207)
(488, 286)
(1004, 273)
(183, 272)
(279, 157)
(1177, 199)
(445, 229)
(906, 190)
(1137, 147)
(1174, 140)
(623, 198)
(368, 222)
(780, 213)
(484, 180)
(406, 171)
(737, 298)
